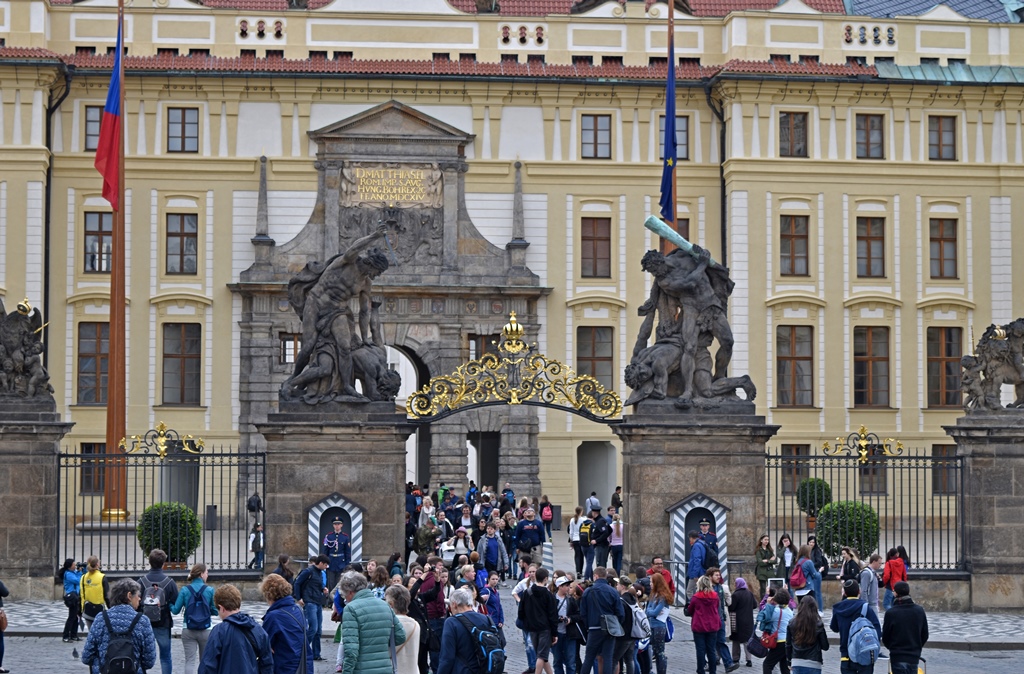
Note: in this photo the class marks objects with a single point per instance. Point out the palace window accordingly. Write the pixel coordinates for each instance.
(873, 478)
(944, 469)
(870, 137)
(182, 243)
(870, 247)
(291, 344)
(941, 138)
(871, 367)
(181, 363)
(793, 246)
(596, 247)
(183, 129)
(481, 344)
(98, 231)
(942, 247)
(93, 360)
(682, 137)
(682, 226)
(795, 468)
(795, 365)
(93, 120)
(944, 352)
(594, 354)
(596, 141)
(90, 475)
(792, 134)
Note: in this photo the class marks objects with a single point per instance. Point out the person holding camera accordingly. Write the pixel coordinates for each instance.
(70, 575)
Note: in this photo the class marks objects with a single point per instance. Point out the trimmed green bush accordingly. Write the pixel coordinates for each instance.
(847, 523)
(172, 527)
(813, 494)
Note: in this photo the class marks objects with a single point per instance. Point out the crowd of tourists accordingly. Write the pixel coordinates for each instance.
(437, 608)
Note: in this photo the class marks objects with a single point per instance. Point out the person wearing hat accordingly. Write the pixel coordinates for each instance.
(564, 650)
(529, 534)
(338, 549)
(600, 537)
(707, 535)
(905, 631)
(462, 544)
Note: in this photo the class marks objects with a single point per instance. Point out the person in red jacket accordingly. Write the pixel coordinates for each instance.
(705, 623)
(895, 571)
(658, 566)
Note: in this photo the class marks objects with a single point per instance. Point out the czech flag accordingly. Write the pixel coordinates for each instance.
(668, 172)
(108, 150)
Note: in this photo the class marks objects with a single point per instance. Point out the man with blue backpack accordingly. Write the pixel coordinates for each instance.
(860, 634)
(158, 593)
(196, 599)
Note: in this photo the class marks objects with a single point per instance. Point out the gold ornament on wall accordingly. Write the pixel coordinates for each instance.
(864, 445)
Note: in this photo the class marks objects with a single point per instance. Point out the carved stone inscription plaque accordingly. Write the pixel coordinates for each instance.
(393, 184)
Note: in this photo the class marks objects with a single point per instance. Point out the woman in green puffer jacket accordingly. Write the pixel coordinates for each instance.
(367, 628)
(765, 564)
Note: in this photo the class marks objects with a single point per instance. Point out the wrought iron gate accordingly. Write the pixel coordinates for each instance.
(916, 495)
(214, 484)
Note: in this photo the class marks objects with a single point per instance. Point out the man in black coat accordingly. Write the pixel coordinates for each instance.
(538, 610)
(600, 534)
(905, 631)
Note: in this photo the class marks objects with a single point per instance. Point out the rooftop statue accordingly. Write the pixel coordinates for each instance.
(334, 354)
(22, 374)
(997, 360)
(688, 304)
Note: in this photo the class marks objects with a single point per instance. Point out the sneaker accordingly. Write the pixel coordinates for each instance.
(65, 640)
(882, 655)
(339, 668)
(733, 668)
(749, 663)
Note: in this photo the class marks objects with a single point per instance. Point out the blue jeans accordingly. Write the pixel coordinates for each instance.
(817, 594)
(588, 556)
(851, 667)
(888, 599)
(904, 667)
(547, 531)
(617, 559)
(804, 670)
(657, 648)
(531, 653)
(705, 643)
(257, 560)
(437, 627)
(723, 646)
(564, 656)
(599, 644)
(314, 620)
(163, 642)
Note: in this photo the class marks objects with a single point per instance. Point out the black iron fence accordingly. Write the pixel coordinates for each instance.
(870, 500)
(215, 485)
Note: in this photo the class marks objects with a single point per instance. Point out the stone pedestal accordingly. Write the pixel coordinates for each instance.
(668, 454)
(992, 445)
(354, 449)
(30, 435)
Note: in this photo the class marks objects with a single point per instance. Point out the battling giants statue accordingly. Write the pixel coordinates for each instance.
(22, 374)
(997, 360)
(334, 355)
(690, 297)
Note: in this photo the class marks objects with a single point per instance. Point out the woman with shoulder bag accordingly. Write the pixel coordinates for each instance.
(71, 578)
(774, 623)
(705, 622)
(658, 604)
(95, 589)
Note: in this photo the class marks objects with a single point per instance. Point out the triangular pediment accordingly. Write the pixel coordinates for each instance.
(698, 500)
(392, 120)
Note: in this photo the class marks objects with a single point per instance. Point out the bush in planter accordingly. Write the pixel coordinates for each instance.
(847, 523)
(172, 527)
(813, 494)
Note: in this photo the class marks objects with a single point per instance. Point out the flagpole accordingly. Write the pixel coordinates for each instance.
(671, 59)
(115, 497)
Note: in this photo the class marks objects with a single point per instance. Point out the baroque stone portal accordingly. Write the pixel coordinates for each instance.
(22, 373)
(689, 297)
(997, 360)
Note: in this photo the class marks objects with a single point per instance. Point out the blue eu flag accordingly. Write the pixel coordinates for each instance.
(668, 172)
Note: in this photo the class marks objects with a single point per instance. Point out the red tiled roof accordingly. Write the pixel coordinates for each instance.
(519, 7)
(723, 7)
(30, 53)
(812, 68)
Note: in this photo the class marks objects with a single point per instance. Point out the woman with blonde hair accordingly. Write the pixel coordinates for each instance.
(197, 600)
(426, 511)
(851, 565)
(95, 590)
(705, 621)
(285, 624)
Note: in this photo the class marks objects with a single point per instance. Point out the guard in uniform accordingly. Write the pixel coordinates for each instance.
(707, 535)
(339, 550)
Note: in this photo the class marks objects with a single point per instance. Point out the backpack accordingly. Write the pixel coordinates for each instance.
(197, 611)
(545, 514)
(710, 557)
(641, 625)
(863, 646)
(253, 504)
(120, 657)
(585, 527)
(490, 656)
(154, 600)
(797, 579)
